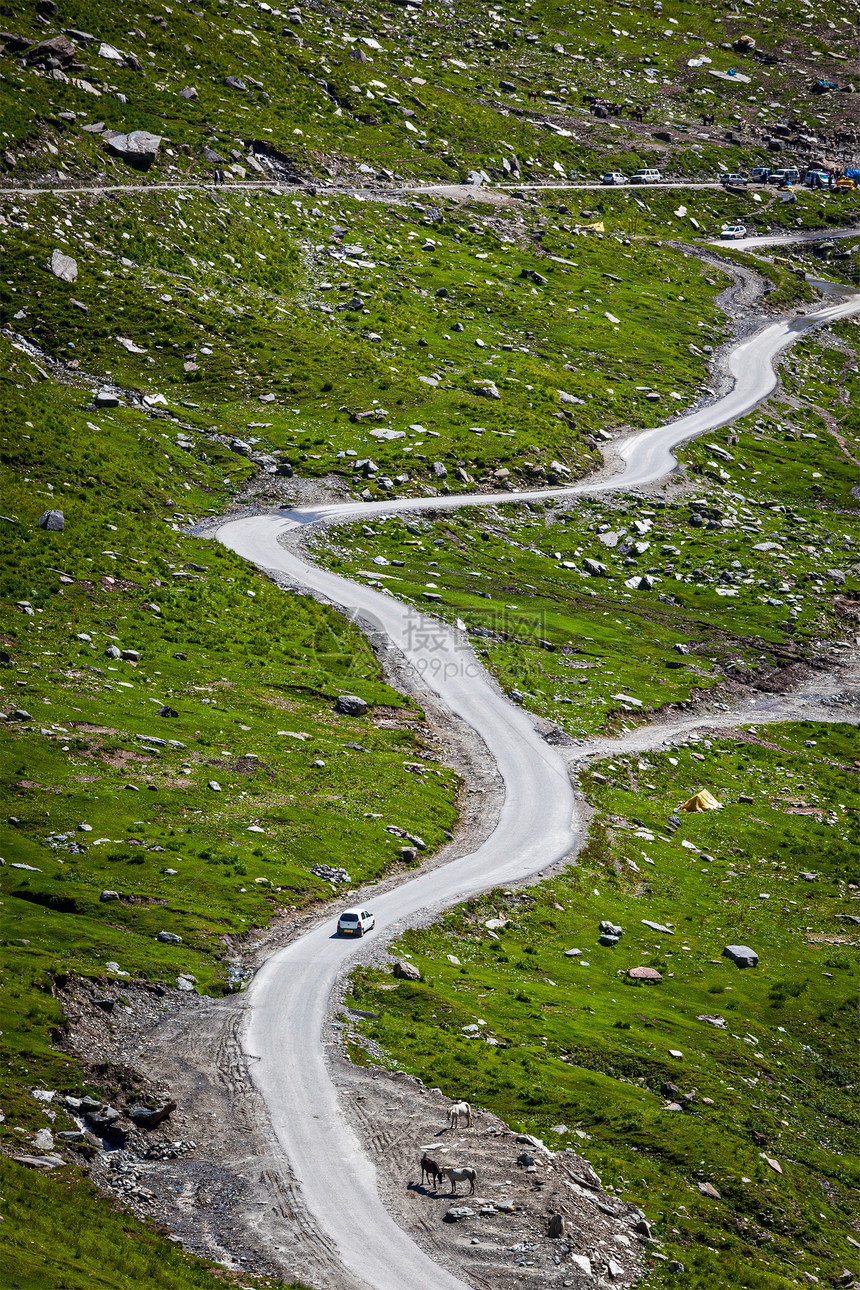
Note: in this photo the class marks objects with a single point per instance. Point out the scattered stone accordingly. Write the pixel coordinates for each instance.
(405, 971)
(63, 267)
(148, 1117)
(457, 1212)
(708, 1189)
(53, 521)
(555, 1229)
(644, 974)
(331, 873)
(108, 895)
(43, 1163)
(165, 711)
(351, 705)
(169, 938)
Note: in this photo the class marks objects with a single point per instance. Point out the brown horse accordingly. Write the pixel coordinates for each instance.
(431, 1170)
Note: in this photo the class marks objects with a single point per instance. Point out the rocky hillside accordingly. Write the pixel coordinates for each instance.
(421, 90)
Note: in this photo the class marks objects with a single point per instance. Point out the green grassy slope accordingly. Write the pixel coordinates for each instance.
(313, 331)
(206, 822)
(752, 569)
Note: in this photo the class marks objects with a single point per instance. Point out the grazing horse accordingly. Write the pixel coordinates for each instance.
(455, 1111)
(431, 1170)
(461, 1175)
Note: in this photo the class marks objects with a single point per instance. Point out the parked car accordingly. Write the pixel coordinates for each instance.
(355, 922)
(760, 174)
(733, 231)
(615, 177)
(817, 179)
(646, 176)
(789, 175)
(735, 180)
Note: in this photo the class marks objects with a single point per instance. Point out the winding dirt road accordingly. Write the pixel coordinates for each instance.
(538, 826)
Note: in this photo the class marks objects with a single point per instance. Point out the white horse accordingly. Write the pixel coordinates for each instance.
(459, 1109)
(460, 1175)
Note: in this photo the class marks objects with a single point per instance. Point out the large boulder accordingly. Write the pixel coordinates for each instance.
(58, 47)
(53, 521)
(741, 955)
(63, 267)
(406, 971)
(147, 1117)
(351, 705)
(139, 149)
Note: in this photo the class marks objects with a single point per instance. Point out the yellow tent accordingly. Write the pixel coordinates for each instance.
(702, 801)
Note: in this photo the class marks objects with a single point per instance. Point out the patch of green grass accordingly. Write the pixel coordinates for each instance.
(58, 1231)
(579, 1043)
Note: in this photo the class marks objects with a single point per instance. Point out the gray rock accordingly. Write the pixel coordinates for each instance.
(643, 1227)
(63, 267)
(405, 971)
(440, 470)
(58, 47)
(169, 938)
(214, 786)
(42, 1163)
(611, 929)
(106, 399)
(555, 1229)
(487, 389)
(235, 83)
(457, 1212)
(351, 705)
(658, 927)
(189, 92)
(167, 712)
(614, 1270)
(676, 1266)
(53, 521)
(596, 568)
(111, 651)
(140, 148)
(148, 1117)
(331, 873)
(108, 896)
(130, 655)
(741, 955)
(103, 1118)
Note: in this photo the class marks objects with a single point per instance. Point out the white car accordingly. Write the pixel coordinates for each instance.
(614, 177)
(355, 922)
(646, 176)
(733, 231)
